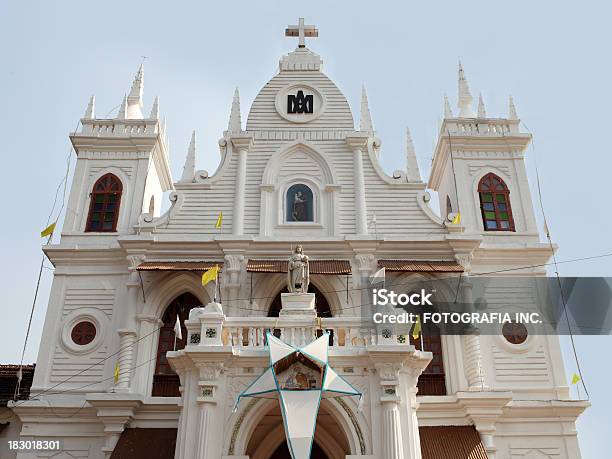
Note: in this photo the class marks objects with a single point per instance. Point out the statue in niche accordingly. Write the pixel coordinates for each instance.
(299, 204)
(298, 274)
(299, 212)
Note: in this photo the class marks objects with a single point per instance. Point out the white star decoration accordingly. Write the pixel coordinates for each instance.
(299, 407)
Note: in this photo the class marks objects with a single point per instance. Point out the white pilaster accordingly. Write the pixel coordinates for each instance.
(241, 145)
(358, 144)
(127, 339)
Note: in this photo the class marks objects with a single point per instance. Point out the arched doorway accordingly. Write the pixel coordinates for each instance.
(268, 441)
(165, 381)
(321, 303)
(282, 452)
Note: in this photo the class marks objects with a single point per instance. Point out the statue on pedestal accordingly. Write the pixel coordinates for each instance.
(298, 274)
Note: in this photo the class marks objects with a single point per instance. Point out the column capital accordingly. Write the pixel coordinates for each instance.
(242, 141)
(126, 332)
(357, 140)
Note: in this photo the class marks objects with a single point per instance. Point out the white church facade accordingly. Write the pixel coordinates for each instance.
(112, 379)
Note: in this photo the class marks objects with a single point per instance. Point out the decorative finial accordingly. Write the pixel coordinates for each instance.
(465, 99)
(134, 99)
(235, 125)
(302, 31)
(512, 110)
(482, 111)
(412, 166)
(189, 167)
(365, 120)
(448, 113)
(123, 113)
(155, 109)
(90, 113)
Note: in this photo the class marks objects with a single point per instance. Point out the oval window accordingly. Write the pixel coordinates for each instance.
(83, 333)
(515, 333)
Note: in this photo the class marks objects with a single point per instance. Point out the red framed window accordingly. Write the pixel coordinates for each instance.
(495, 204)
(515, 333)
(104, 206)
(83, 333)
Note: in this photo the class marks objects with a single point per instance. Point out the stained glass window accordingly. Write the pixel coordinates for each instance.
(495, 204)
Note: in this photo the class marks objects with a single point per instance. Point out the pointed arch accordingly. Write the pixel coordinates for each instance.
(351, 424)
(104, 204)
(165, 380)
(276, 161)
(495, 207)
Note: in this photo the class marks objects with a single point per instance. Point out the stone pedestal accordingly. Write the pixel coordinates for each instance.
(298, 304)
(205, 325)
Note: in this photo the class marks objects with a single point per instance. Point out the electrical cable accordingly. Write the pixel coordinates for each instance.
(64, 181)
(554, 257)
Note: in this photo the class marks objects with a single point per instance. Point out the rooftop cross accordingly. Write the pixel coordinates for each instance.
(302, 31)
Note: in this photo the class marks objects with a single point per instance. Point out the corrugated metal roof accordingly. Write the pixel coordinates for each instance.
(177, 265)
(316, 266)
(421, 266)
(451, 442)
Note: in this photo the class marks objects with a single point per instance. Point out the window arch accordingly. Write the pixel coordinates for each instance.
(104, 204)
(165, 381)
(495, 204)
(299, 204)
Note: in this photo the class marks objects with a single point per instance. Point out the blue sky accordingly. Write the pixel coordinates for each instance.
(553, 57)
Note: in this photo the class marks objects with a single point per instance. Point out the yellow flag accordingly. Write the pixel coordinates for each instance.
(575, 379)
(116, 373)
(416, 330)
(48, 231)
(457, 219)
(219, 220)
(210, 275)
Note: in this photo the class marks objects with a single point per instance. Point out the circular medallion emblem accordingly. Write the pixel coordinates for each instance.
(299, 103)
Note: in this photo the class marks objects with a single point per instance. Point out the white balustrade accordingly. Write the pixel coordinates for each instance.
(474, 126)
(250, 332)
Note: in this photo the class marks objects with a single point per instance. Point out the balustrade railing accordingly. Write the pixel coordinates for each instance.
(250, 332)
(475, 126)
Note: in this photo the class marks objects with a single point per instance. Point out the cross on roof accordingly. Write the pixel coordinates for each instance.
(301, 31)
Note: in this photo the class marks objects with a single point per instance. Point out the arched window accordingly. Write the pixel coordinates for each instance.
(495, 204)
(300, 204)
(165, 381)
(104, 207)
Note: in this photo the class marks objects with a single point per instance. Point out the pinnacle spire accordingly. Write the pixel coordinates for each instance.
(365, 119)
(412, 165)
(235, 124)
(512, 110)
(464, 101)
(134, 98)
(90, 112)
(123, 112)
(482, 111)
(189, 167)
(448, 113)
(155, 109)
